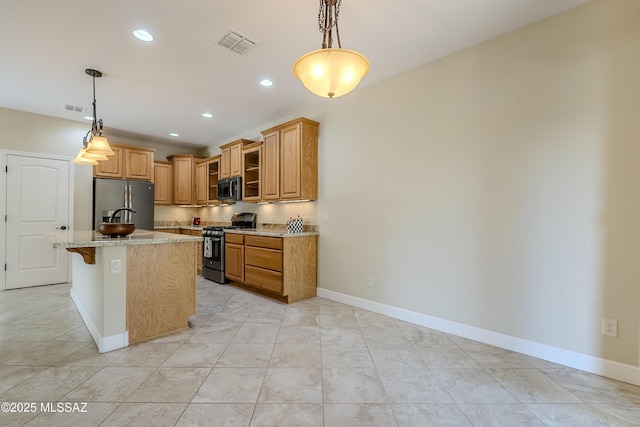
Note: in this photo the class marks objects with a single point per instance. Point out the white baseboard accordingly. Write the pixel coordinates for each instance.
(607, 368)
(112, 342)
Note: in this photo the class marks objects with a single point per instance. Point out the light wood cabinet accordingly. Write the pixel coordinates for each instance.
(234, 257)
(213, 167)
(113, 167)
(206, 176)
(163, 177)
(127, 163)
(202, 172)
(183, 178)
(271, 166)
(251, 172)
(231, 158)
(138, 163)
(295, 177)
(282, 268)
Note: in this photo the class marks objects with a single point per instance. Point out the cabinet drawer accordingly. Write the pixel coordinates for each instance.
(266, 258)
(234, 238)
(266, 279)
(264, 242)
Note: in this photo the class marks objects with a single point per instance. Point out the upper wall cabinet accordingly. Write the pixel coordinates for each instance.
(183, 178)
(207, 171)
(213, 167)
(290, 164)
(251, 172)
(201, 182)
(163, 177)
(231, 158)
(127, 163)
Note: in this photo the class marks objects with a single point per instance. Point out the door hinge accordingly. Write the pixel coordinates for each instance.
(5, 267)
(6, 169)
(5, 218)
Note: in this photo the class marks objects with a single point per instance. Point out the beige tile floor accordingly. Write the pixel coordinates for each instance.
(249, 361)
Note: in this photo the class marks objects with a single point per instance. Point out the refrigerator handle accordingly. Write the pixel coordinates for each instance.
(130, 204)
(126, 203)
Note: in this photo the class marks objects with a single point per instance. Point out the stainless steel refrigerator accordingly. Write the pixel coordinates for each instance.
(112, 194)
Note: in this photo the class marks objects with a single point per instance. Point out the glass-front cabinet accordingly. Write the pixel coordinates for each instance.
(214, 176)
(207, 174)
(251, 172)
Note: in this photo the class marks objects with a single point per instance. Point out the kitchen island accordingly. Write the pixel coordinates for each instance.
(132, 288)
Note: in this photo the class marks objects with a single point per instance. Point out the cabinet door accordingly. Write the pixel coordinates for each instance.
(162, 186)
(234, 262)
(271, 167)
(113, 167)
(225, 163)
(214, 174)
(202, 184)
(235, 160)
(182, 180)
(290, 163)
(138, 164)
(251, 165)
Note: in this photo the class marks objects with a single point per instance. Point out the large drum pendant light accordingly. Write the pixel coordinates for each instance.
(330, 72)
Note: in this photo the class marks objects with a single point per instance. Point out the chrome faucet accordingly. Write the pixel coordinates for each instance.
(113, 215)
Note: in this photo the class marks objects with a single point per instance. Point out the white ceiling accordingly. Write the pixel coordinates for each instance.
(164, 86)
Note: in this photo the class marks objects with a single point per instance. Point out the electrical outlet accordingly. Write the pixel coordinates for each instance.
(115, 266)
(610, 327)
(369, 282)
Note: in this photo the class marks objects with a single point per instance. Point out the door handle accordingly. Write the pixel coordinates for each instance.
(63, 227)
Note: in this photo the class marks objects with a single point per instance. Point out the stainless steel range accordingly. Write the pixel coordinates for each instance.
(213, 245)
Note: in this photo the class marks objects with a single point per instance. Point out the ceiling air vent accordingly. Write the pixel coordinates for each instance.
(75, 108)
(239, 43)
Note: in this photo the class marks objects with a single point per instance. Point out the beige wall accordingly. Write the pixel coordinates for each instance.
(47, 135)
(496, 188)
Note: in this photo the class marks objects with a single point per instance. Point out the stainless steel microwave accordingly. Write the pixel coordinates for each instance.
(230, 189)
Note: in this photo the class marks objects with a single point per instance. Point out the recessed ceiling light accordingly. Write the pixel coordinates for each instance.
(174, 134)
(266, 83)
(143, 35)
(207, 115)
(88, 118)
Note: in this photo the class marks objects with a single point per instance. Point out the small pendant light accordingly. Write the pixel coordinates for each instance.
(95, 147)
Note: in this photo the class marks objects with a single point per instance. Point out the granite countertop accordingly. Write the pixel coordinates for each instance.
(270, 233)
(91, 239)
(181, 227)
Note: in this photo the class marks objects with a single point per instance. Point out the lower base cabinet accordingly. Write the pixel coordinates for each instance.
(284, 268)
(234, 257)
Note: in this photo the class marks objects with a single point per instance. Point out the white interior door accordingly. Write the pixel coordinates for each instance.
(37, 207)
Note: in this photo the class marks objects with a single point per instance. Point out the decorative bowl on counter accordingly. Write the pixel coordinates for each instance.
(115, 229)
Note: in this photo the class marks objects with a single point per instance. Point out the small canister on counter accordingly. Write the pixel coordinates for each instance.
(295, 225)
